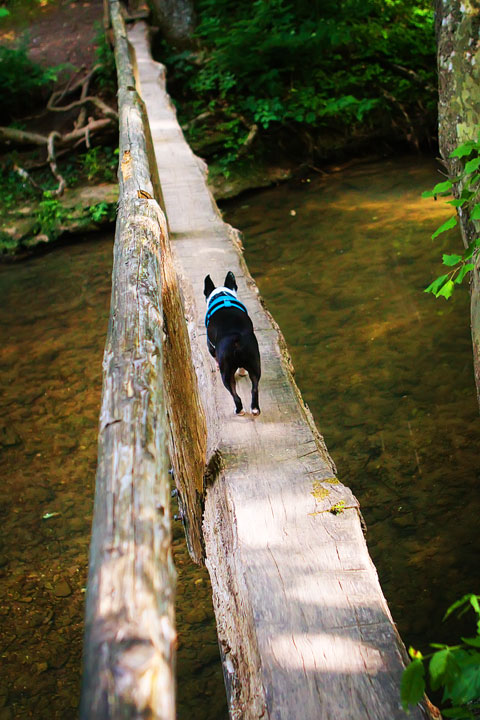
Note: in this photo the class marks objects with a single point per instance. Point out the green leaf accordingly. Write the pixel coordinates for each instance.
(439, 188)
(463, 150)
(458, 713)
(473, 180)
(446, 290)
(475, 214)
(464, 601)
(475, 604)
(463, 271)
(467, 194)
(456, 202)
(451, 260)
(475, 642)
(435, 286)
(446, 226)
(466, 686)
(412, 686)
(471, 249)
(472, 165)
(437, 666)
(4, 12)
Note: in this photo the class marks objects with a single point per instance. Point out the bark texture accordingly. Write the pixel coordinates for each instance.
(457, 26)
(129, 648)
(176, 20)
(304, 629)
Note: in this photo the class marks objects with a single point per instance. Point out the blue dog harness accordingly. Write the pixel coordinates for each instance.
(222, 300)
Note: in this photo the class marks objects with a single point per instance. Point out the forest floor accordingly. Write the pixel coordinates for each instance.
(60, 32)
(63, 33)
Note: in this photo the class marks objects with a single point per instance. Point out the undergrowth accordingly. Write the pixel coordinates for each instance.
(301, 70)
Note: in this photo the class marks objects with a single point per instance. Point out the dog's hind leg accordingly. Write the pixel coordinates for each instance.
(228, 378)
(255, 380)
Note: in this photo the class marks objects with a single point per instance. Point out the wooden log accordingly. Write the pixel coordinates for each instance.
(303, 626)
(129, 629)
(188, 431)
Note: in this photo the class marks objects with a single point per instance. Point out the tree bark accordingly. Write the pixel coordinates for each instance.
(457, 26)
(129, 647)
(176, 20)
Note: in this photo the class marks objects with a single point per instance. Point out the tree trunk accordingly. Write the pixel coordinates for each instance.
(176, 20)
(304, 629)
(129, 628)
(457, 26)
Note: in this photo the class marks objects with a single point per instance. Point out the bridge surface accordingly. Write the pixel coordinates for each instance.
(304, 629)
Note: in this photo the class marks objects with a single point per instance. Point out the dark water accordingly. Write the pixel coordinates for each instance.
(53, 324)
(385, 368)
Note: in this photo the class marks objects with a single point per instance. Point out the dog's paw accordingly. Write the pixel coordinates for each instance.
(240, 412)
(255, 411)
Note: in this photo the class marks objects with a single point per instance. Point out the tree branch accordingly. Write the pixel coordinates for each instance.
(102, 106)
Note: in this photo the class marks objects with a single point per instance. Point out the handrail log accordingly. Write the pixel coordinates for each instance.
(129, 627)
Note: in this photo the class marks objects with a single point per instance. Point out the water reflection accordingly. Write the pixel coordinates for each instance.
(386, 369)
(53, 319)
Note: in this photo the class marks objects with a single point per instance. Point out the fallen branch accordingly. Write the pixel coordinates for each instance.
(85, 131)
(69, 89)
(21, 137)
(24, 137)
(82, 115)
(72, 139)
(102, 106)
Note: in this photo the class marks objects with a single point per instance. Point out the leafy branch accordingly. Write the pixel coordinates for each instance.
(455, 668)
(467, 185)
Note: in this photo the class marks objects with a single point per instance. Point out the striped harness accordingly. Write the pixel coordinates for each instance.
(223, 299)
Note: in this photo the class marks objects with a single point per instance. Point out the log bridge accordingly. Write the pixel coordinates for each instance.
(303, 627)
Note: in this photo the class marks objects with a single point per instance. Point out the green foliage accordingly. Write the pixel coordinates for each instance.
(106, 76)
(453, 668)
(50, 215)
(102, 211)
(284, 63)
(100, 163)
(467, 187)
(12, 189)
(22, 82)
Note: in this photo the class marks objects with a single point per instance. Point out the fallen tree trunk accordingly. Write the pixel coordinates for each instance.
(303, 626)
(129, 629)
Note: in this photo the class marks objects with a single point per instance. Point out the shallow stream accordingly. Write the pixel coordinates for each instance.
(386, 370)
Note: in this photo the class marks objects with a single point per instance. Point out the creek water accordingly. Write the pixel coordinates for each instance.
(53, 324)
(385, 369)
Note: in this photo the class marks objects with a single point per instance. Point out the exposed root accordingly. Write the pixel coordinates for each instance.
(53, 163)
(83, 128)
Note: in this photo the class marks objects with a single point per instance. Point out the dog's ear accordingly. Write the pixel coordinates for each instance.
(230, 281)
(208, 287)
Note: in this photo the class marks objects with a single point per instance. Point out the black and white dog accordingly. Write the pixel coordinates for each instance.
(230, 338)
